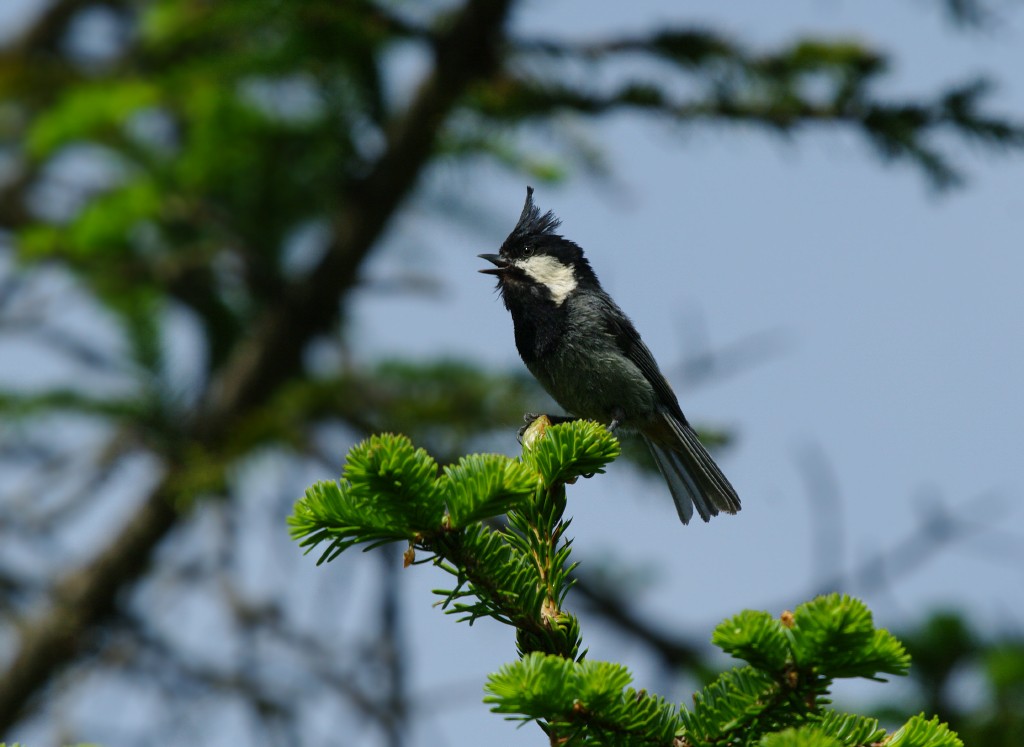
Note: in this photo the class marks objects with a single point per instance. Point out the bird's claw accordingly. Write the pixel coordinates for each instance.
(528, 419)
(617, 417)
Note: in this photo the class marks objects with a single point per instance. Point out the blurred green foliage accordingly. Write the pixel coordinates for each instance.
(971, 679)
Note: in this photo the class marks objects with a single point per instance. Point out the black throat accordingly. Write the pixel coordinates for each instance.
(539, 322)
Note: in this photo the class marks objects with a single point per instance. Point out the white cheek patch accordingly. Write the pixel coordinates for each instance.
(559, 279)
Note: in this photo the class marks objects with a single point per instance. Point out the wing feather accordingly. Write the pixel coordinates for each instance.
(628, 340)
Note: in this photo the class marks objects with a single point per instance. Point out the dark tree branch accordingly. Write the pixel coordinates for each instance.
(936, 531)
(674, 651)
(464, 53)
(969, 13)
(826, 511)
(809, 82)
(51, 640)
(392, 655)
(47, 30)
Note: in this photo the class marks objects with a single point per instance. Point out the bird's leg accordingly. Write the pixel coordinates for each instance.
(617, 417)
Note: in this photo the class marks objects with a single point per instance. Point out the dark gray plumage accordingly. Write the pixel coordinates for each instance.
(588, 355)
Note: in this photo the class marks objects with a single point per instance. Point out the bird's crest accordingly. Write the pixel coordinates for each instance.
(532, 223)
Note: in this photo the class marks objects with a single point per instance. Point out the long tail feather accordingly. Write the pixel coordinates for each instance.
(693, 478)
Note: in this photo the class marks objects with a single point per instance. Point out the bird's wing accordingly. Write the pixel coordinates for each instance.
(629, 342)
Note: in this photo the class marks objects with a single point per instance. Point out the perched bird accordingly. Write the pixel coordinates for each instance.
(588, 355)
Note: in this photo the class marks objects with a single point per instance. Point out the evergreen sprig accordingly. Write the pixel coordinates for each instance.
(575, 452)
(389, 492)
(484, 485)
(520, 571)
(782, 696)
(518, 574)
(924, 732)
(834, 635)
(586, 702)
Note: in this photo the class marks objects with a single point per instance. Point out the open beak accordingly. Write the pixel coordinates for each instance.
(499, 262)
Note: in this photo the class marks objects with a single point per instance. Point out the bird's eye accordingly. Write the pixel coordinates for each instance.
(527, 251)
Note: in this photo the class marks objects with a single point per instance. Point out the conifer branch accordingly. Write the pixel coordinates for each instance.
(519, 575)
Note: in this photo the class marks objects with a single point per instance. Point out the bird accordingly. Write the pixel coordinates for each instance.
(586, 353)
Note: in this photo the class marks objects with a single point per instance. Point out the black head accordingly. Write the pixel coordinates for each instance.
(535, 260)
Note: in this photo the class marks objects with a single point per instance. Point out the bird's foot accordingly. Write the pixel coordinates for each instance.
(528, 419)
(617, 417)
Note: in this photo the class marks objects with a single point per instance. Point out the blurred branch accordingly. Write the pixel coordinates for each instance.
(826, 513)
(341, 669)
(12, 285)
(64, 487)
(49, 26)
(674, 651)
(14, 211)
(50, 640)
(396, 397)
(74, 348)
(809, 82)
(391, 650)
(464, 52)
(705, 362)
(937, 528)
(973, 14)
